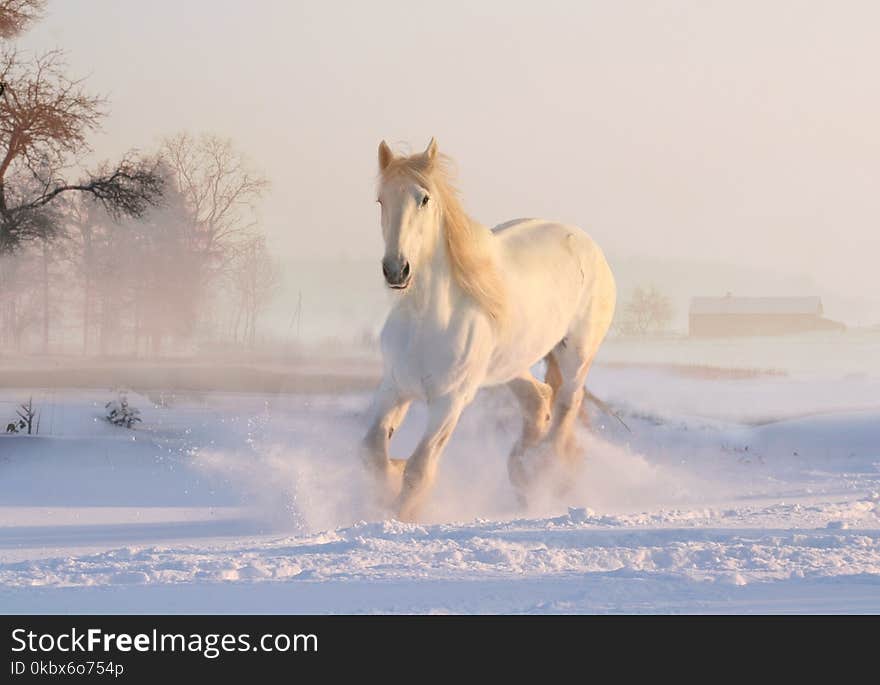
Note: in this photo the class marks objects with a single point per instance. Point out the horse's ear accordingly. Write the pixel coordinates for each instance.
(385, 156)
(431, 151)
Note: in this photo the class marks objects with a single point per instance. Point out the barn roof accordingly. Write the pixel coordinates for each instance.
(756, 305)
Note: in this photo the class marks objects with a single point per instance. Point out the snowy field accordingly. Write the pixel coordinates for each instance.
(733, 492)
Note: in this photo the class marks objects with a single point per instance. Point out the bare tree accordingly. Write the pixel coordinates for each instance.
(45, 121)
(84, 225)
(220, 192)
(166, 289)
(28, 417)
(648, 309)
(256, 277)
(137, 277)
(19, 297)
(18, 15)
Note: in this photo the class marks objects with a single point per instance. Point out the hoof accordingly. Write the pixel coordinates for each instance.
(525, 467)
(406, 510)
(545, 469)
(387, 483)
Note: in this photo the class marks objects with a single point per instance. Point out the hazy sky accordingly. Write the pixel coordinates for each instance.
(744, 132)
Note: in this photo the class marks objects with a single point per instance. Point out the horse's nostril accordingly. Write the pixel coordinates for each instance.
(396, 271)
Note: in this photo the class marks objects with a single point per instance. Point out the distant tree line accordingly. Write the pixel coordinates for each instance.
(139, 254)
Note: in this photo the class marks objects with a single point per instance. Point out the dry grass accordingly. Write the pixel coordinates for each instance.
(197, 378)
(702, 371)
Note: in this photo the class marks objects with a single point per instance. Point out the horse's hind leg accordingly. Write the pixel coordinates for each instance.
(535, 399)
(573, 360)
(553, 376)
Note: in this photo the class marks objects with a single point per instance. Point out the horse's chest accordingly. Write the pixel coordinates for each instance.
(427, 361)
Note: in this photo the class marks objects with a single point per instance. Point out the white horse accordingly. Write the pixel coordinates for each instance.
(479, 308)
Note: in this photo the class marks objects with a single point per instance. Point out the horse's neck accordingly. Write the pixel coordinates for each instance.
(437, 292)
(435, 286)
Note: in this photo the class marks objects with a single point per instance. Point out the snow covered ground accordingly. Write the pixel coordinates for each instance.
(732, 493)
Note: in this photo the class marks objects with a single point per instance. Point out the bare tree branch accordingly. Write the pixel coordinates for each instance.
(18, 15)
(45, 121)
(128, 189)
(219, 189)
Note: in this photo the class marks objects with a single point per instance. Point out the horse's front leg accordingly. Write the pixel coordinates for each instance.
(421, 468)
(389, 410)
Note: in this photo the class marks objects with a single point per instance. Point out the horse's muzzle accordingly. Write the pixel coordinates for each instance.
(397, 273)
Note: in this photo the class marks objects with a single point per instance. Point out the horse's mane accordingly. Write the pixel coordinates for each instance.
(468, 244)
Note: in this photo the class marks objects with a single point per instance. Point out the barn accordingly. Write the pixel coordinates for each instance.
(744, 316)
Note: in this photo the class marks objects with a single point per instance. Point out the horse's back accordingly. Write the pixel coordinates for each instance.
(550, 239)
(500, 228)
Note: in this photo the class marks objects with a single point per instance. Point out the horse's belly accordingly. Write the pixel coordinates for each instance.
(537, 323)
(546, 283)
(524, 347)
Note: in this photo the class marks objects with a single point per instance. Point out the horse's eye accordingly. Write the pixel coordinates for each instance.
(425, 200)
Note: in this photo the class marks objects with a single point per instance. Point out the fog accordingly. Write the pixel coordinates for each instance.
(707, 147)
(191, 300)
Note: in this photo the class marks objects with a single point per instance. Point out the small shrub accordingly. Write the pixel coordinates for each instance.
(28, 419)
(121, 413)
